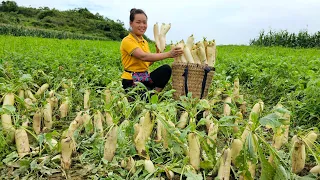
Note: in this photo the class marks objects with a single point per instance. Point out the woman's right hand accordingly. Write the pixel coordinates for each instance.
(176, 52)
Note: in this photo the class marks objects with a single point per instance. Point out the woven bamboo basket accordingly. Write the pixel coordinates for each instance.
(195, 79)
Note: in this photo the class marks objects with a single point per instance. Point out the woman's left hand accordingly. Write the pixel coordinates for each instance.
(157, 49)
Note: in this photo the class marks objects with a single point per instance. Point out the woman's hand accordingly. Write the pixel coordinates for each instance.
(176, 52)
(157, 49)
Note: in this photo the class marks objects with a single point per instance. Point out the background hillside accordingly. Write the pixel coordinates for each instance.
(79, 21)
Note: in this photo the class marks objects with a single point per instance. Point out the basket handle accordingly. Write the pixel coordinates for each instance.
(204, 81)
(185, 74)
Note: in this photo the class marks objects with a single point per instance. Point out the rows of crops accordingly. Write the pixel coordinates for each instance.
(303, 39)
(104, 133)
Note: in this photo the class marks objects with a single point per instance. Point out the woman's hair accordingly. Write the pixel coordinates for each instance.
(135, 11)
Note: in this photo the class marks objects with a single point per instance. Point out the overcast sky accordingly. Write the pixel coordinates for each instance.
(226, 21)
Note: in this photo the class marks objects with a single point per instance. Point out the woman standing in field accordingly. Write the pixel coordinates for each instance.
(136, 56)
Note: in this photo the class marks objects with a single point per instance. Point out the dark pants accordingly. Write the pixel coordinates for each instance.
(159, 76)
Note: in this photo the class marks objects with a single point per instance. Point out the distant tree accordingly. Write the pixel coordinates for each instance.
(8, 6)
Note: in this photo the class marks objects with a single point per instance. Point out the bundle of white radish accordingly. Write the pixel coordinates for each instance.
(111, 143)
(211, 53)
(8, 128)
(160, 37)
(202, 52)
(196, 58)
(181, 58)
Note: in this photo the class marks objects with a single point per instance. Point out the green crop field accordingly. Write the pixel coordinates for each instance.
(111, 137)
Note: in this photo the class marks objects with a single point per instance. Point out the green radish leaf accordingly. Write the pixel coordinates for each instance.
(11, 157)
(9, 109)
(280, 173)
(192, 176)
(154, 99)
(25, 78)
(282, 110)
(267, 171)
(271, 120)
(251, 150)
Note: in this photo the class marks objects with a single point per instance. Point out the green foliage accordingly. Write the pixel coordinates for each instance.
(283, 38)
(45, 33)
(274, 74)
(79, 21)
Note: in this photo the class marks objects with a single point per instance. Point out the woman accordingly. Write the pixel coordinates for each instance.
(136, 56)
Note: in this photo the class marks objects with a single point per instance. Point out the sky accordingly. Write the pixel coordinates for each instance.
(226, 21)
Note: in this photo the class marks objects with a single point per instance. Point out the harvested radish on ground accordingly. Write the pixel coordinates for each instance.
(144, 132)
(108, 96)
(64, 108)
(109, 120)
(225, 165)
(67, 146)
(183, 120)
(226, 107)
(42, 89)
(110, 145)
(194, 150)
(29, 94)
(22, 142)
(310, 138)
(86, 98)
(148, 166)
(212, 132)
(236, 147)
(298, 156)
(6, 121)
(36, 123)
(97, 122)
(47, 116)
